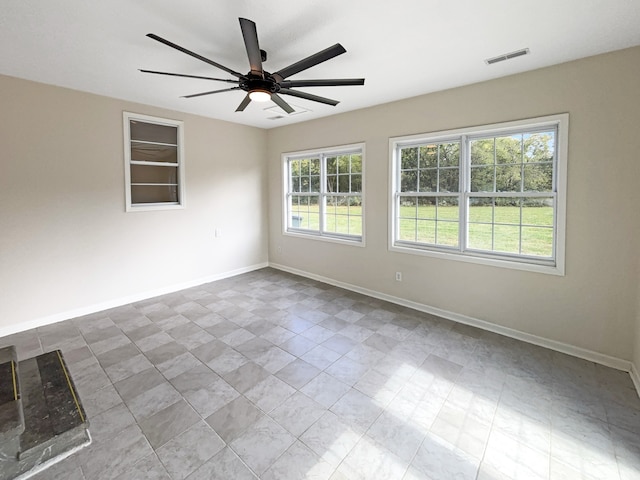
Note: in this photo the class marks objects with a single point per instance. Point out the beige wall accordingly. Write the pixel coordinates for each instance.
(594, 306)
(66, 241)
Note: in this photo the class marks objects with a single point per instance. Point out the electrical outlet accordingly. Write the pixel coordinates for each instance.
(218, 233)
(279, 249)
(399, 276)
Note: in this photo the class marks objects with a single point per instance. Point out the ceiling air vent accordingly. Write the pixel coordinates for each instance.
(507, 56)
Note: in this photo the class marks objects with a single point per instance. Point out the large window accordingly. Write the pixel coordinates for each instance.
(154, 163)
(324, 193)
(492, 194)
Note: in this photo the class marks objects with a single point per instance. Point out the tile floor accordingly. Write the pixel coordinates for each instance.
(272, 376)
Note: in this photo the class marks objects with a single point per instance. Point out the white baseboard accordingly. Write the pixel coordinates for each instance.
(118, 302)
(635, 377)
(572, 350)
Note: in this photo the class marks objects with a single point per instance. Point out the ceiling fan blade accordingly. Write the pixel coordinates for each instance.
(244, 103)
(278, 100)
(315, 59)
(189, 76)
(323, 83)
(250, 35)
(193, 54)
(308, 96)
(211, 92)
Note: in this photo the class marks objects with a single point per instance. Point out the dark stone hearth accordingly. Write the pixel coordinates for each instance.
(51, 415)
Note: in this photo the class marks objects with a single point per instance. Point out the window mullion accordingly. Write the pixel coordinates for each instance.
(463, 199)
(322, 201)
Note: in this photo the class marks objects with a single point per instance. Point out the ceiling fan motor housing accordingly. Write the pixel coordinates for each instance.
(256, 82)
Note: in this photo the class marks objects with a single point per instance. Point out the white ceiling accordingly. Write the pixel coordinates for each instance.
(403, 48)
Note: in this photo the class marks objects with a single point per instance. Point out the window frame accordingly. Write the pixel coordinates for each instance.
(555, 266)
(322, 154)
(179, 125)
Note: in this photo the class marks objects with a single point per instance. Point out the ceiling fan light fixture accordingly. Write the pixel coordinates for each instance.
(259, 95)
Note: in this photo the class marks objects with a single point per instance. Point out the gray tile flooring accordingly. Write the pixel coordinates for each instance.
(272, 376)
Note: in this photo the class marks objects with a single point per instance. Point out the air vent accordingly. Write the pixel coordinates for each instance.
(507, 56)
(297, 110)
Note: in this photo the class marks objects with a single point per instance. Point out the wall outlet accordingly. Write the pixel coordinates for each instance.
(399, 276)
(279, 249)
(218, 232)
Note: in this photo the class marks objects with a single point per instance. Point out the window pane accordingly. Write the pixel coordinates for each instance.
(343, 183)
(356, 183)
(537, 211)
(449, 154)
(449, 180)
(428, 180)
(355, 226)
(509, 149)
(337, 215)
(154, 194)
(408, 207)
(426, 231)
(537, 241)
(147, 152)
(508, 178)
(482, 152)
(407, 230)
(506, 238)
(355, 206)
(151, 132)
(429, 156)
(481, 210)
(482, 178)
(539, 147)
(448, 208)
(305, 212)
(409, 181)
(332, 183)
(343, 164)
(507, 210)
(447, 233)
(426, 207)
(304, 167)
(314, 184)
(480, 236)
(332, 165)
(356, 163)
(151, 174)
(409, 158)
(538, 177)
(448, 227)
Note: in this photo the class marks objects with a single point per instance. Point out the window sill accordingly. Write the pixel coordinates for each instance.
(154, 206)
(548, 269)
(355, 241)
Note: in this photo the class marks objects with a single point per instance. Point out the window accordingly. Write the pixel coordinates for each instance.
(154, 163)
(492, 194)
(324, 193)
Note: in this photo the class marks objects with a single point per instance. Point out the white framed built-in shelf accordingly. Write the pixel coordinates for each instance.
(154, 163)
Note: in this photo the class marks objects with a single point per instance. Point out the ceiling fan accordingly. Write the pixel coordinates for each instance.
(260, 85)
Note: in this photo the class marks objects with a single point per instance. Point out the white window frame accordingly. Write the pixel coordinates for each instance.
(322, 154)
(138, 207)
(555, 266)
